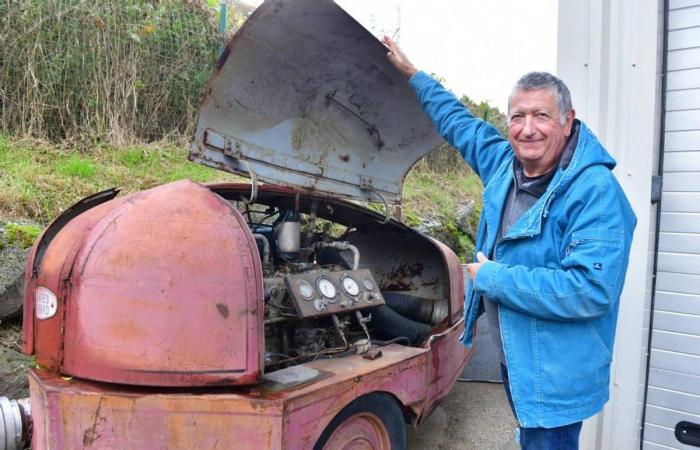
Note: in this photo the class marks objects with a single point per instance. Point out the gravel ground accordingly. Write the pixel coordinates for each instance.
(474, 416)
(13, 364)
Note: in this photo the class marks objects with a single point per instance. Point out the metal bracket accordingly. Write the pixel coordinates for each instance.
(366, 185)
(237, 154)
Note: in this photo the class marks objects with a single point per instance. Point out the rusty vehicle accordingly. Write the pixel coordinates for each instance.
(275, 314)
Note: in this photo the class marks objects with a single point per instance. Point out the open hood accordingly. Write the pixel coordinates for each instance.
(304, 96)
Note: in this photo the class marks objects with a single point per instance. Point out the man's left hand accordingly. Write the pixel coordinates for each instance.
(473, 268)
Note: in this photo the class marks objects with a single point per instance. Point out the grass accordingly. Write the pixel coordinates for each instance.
(39, 181)
(439, 196)
(21, 235)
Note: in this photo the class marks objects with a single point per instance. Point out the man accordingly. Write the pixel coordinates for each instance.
(553, 246)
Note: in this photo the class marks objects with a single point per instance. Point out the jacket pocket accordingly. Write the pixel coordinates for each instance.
(600, 252)
(572, 364)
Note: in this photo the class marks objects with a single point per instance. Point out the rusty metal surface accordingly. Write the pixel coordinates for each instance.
(406, 262)
(447, 360)
(455, 275)
(304, 96)
(71, 414)
(401, 371)
(164, 288)
(39, 249)
(43, 337)
(81, 414)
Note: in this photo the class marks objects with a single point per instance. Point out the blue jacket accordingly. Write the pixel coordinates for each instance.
(557, 274)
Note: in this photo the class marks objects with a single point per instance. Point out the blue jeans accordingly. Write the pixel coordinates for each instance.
(559, 438)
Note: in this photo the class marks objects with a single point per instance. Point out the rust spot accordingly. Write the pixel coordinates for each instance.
(223, 310)
(401, 277)
(344, 158)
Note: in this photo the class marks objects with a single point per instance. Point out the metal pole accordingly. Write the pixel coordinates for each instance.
(222, 24)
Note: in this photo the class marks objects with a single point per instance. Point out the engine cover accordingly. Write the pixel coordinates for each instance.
(160, 287)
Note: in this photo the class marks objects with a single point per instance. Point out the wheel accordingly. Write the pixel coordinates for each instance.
(372, 422)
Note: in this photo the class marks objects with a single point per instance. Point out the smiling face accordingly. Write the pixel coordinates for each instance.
(535, 130)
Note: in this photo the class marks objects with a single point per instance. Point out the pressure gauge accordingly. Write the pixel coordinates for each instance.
(327, 288)
(350, 286)
(306, 290)
(319, 305)
(367, 283)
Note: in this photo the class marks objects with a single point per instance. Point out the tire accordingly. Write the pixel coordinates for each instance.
(374, 421)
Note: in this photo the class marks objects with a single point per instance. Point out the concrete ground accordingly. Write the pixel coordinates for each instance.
(474, 416)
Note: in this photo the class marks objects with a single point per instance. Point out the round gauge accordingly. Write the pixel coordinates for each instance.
(367, 283)
(306, 290)
(350, 286)
(319, 305)
(326, 288)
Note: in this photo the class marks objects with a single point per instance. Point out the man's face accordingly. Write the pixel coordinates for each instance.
(535, 130)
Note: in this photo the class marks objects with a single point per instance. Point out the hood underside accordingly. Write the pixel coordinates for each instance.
(304, 96)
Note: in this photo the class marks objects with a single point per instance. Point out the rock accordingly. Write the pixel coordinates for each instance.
(13, 258)
(464, 214)
(428, 225)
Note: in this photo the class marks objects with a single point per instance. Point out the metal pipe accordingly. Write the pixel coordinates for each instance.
(266, 246)
(339, 327)
(15, 423)
(343, 246)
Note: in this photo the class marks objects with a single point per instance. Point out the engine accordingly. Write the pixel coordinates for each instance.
(319, 303)
(186, 285)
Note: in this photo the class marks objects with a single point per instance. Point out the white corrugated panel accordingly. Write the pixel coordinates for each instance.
(677, 4)
(674, 367)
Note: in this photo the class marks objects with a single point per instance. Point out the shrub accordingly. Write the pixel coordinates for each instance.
(96, 71)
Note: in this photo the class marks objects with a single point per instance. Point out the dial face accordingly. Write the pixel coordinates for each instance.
(306, 290)
(350, 286)
(326, 288)
(367, 283)
(319, 305)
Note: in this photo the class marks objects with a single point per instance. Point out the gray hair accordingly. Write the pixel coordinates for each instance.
(545, 80)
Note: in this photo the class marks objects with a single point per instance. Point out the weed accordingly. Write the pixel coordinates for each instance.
(22, 235)
(76, 166)
(132, 157)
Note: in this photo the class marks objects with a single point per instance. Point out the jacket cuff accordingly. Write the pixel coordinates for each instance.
(420, 80)
(485, 278)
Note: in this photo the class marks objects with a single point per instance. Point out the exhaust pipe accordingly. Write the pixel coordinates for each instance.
(15, 423)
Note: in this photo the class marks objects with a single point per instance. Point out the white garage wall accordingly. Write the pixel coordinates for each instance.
(609, 55)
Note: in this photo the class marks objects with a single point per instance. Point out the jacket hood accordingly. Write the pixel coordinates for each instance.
(588, 152)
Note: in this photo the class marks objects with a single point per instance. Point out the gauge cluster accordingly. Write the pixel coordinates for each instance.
(322, 292)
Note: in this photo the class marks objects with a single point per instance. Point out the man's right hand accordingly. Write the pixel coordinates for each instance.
(398, 58)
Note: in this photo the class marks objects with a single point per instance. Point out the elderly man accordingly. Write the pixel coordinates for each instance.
(553, 246)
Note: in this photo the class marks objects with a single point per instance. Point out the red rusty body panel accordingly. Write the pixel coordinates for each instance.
(448, 357)
(401, 371)
(44, 336)
(79, 414)
(456, 277)
(72, 414)
(164, 288)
